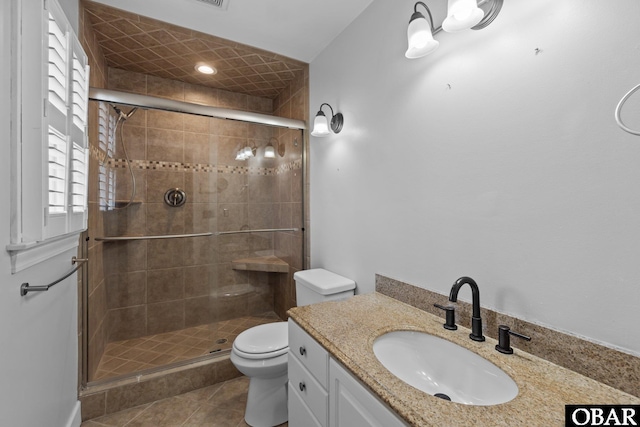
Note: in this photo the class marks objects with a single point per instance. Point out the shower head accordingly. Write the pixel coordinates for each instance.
(122, 115)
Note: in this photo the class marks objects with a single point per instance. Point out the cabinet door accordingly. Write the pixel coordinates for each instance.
(299, 413)
(351, 404)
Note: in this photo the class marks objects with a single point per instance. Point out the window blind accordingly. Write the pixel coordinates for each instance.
(66, 119)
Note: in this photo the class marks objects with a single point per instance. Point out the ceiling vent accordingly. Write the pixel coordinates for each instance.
(219, 4)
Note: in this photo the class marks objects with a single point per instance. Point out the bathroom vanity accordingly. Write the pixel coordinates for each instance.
(323, 393)
(336, 380)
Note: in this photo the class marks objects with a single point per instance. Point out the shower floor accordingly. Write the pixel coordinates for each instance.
(153, 351)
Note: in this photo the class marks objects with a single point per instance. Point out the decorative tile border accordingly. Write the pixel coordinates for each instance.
(606, 365)
(197, 167)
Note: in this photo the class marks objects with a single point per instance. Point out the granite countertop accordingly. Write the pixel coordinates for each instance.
(348, 328)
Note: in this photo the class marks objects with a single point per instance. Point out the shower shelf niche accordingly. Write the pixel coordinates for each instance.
(122, 203)
(269, 264)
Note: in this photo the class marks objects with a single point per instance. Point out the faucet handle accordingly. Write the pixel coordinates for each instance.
(504, 339)
(450, 323)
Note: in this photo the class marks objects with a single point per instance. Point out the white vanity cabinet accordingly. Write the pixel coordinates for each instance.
(322, 393)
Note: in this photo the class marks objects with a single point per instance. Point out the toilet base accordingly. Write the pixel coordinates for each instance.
(267, 402)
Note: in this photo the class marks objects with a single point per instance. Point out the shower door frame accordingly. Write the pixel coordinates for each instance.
(168, 105)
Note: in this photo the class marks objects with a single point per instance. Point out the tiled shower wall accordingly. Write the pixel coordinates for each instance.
(156, 286)
(293, 102)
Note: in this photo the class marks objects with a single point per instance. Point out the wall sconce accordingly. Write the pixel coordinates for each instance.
(270, 150)
(461, 15)
(321, 125)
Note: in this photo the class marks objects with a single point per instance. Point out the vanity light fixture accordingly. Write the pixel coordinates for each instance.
(203, 68)
(321, 124)
(420, 34)
(461, 15)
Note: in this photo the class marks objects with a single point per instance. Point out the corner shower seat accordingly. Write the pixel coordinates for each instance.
(269, 264)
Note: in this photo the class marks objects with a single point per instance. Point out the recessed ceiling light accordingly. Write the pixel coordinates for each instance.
(205, 69)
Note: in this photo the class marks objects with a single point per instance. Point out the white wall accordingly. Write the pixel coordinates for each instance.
(38, 344)
(489, 160)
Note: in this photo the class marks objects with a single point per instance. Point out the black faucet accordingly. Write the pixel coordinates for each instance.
(476, 321)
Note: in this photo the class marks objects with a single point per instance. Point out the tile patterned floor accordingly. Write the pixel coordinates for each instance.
(125, 357)
(219, 405)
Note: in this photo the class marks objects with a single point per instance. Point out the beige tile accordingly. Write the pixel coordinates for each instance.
(232, 217)
(93, 405)
(197, 311)
(168, 412)
(121, 418)
(126, 289)
(262, 189)
(125, 323)
(125, 256)
(200, 95)
(200, 218)
(233, 100)
(135, 138)
(165, 316)
(165, 88)
(232, 188)
(198, 251)
(162, 219)
(98, 303)
(200, 187)
(127, 81)
(197, 280)
(165, 120)
(129, 221)
(159, 181)
(228, 147)
(165, 145)
(162, 359)
(166, 253)
(202, 395)
(165, 285)
(200, 149)
(196, 124)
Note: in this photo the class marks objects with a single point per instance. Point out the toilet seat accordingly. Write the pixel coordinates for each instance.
(263, 341)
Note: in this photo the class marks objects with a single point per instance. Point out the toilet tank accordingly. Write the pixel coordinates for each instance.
(319, 285)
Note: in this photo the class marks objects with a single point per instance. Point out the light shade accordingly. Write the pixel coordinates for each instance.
(462, 15)
(320, 125)
(420, 37)
(269, 151)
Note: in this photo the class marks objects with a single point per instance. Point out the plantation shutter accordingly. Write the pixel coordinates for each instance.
(66, 120)
(57, 115)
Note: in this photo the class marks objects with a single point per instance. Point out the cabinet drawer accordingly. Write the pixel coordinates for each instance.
(315, 397)
(311, 354)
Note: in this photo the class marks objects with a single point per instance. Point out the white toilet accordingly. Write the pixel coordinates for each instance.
(261, 352)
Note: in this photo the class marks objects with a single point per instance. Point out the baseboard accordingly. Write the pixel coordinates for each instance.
(75, 419)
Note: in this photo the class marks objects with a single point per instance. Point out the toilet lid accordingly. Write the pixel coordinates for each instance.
(267, 338)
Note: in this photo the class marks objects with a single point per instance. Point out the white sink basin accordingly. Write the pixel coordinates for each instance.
(440, 367)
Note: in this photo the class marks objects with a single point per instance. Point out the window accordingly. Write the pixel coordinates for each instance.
(51, 153)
